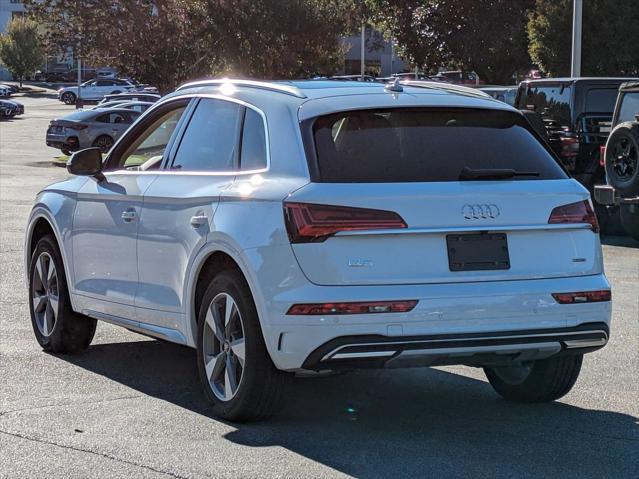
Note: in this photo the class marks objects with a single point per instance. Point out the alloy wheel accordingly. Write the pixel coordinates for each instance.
(224, 347)
(45, 295)
(625, 159)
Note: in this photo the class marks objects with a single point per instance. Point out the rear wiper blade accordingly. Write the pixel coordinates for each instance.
(493, 174)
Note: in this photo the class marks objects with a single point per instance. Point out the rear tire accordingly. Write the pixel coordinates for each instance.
(68, 98)
(256, 388)
(57, 327)
(630, 220)
(539, 381)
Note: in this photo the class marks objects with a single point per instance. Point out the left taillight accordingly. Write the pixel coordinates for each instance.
(577, 213)
(310, 222)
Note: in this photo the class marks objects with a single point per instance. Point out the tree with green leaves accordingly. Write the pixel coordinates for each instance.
(166, 42)
(20, 50)
(486, 36)
(162, 42)
(609, 34)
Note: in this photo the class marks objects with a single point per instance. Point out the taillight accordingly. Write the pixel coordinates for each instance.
(579, 212)
(602, 156)
(569, 145)
(352, 308)
(78, 126)
(308, 222)
(583, 297)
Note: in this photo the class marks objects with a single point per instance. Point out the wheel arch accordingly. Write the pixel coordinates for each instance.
(40, 224)
(212, 259)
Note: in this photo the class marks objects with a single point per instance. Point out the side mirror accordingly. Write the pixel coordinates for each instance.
(87, 162)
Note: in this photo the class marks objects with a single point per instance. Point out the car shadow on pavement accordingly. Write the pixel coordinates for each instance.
(618, 240)
(402, 423)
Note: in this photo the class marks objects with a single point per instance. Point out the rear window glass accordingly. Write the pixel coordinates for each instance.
(629, 106)
(601, 100)
(423, 145)
(550, 101)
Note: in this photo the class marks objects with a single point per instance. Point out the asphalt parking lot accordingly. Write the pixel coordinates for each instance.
(132, 407)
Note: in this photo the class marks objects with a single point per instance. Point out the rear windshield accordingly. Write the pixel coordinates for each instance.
(629, 106)
(423, 145)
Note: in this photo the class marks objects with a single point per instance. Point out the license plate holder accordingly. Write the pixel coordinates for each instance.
(478, 252)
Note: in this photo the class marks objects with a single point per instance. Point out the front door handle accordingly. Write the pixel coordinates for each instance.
(128, 215)
(198, 220)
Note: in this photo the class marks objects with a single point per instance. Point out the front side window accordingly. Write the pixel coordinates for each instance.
(211, 139)
(149, 147)
(629, 106)
(426, 145)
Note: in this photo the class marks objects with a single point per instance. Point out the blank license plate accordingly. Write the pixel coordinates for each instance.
(478, 252)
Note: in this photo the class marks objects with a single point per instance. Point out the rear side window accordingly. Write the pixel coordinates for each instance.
(550, 101)
(210, 142)
(601, 100)
(426, 145)
(253, 142)
(629, 106)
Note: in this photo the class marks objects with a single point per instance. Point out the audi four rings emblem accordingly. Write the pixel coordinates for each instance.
(480, 212)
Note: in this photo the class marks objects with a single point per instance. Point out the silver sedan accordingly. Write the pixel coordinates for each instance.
(87, 128)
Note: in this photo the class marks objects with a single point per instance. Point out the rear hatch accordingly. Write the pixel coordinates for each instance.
(506, 218)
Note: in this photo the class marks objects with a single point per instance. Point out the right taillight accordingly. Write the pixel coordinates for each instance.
(578, 213)
(310, 222)
(602, 155)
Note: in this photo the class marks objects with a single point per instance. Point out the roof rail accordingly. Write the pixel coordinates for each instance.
(270, 86)
(436, 85)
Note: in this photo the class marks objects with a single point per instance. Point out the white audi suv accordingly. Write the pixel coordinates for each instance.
(286, 227)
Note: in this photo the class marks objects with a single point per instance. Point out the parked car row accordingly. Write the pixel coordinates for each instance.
(100, 125)
(98, 89)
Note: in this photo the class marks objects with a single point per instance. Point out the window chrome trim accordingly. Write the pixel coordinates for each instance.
(238, 171)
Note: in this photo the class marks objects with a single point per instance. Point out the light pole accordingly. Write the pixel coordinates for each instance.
(78, 100)
(577, 14)
(362, 65)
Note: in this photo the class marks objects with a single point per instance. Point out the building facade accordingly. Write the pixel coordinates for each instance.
(379, 57)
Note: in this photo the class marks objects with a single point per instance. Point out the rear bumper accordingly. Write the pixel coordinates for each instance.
(445, 349)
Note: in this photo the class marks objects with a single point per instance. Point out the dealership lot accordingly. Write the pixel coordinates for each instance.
(132, 406)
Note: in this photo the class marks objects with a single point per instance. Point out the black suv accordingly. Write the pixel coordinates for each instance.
(621, 160)
(577, 114)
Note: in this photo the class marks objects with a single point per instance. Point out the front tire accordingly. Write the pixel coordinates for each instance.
(539, 381)
(236, 371)
(68, 98)
(57, 327)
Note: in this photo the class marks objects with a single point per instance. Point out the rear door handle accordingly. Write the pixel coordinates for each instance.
(198, 220)
(128, 215)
